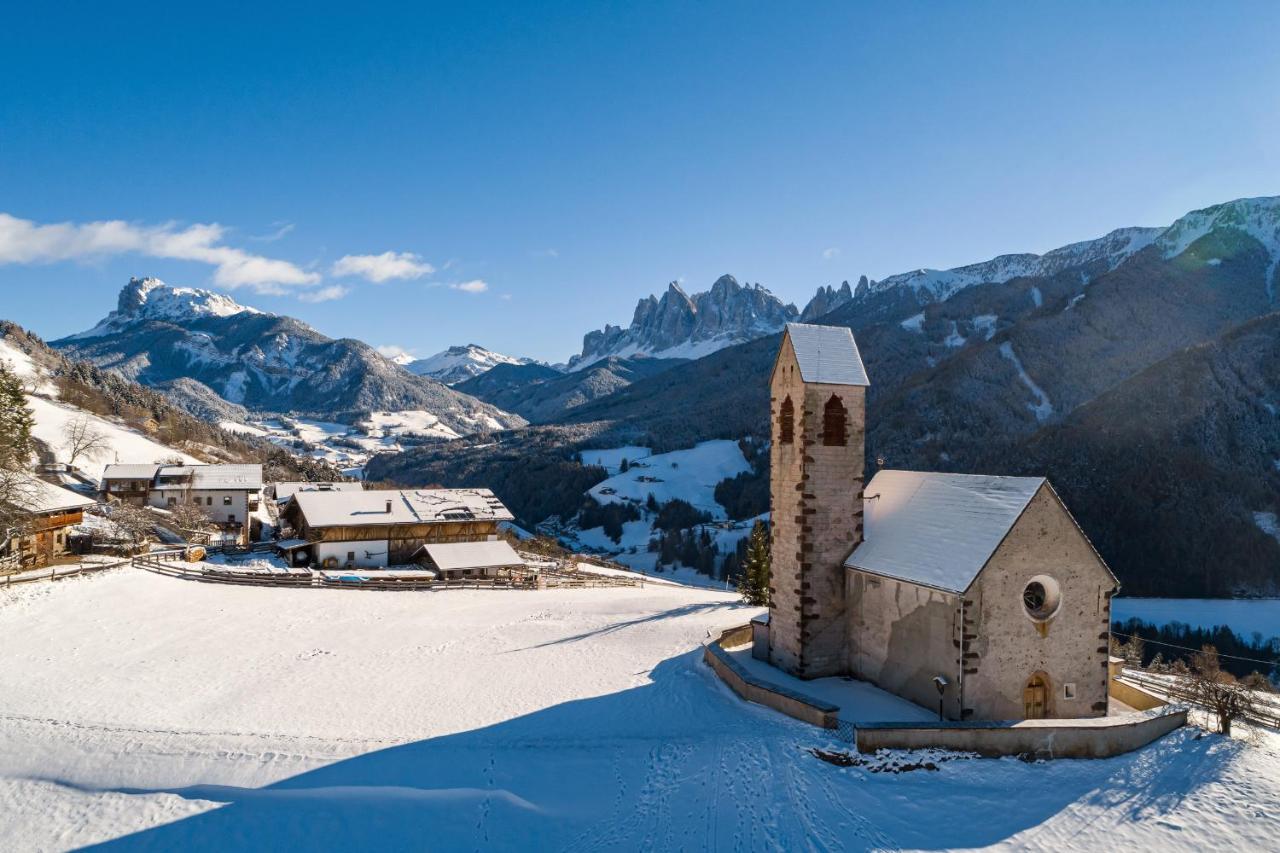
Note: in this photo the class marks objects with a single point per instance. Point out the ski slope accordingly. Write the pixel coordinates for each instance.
(201, 717)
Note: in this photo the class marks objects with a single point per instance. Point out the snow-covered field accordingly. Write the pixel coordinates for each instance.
(1244, 616)
(348, 446)
(171, 715)
(127, 445)
(690, 475)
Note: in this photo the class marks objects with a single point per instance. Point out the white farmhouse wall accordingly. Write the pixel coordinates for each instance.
(368, 554)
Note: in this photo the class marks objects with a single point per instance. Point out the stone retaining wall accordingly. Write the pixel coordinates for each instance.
(804, 708)
(1099, 737)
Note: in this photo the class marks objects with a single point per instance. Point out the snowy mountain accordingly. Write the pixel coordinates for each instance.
(264, 362)
(682, 326)
(457, 363)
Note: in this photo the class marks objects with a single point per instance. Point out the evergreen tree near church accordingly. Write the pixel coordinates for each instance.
(753, 584)
(15, 423)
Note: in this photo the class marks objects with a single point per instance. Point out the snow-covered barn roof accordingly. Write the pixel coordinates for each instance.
(130, 471)
(937, 530)
(827, 355)
(453, 556)
(289, 489)
(418, 506)
(35, 495)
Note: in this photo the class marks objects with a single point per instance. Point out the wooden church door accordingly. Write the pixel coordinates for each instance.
(1034, 697)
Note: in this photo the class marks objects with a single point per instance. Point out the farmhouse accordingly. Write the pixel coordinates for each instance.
(49, 512)
(227, 494)
(388, 527)
(976, 595)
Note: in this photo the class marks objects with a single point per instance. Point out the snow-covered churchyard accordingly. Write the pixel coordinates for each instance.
(141, 712)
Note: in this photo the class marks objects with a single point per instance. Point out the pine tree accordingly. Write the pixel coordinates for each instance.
(754, 581)
(16, 421)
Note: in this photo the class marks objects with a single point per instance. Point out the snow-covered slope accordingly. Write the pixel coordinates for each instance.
(511, 720)
(126, 443)
(457, 363)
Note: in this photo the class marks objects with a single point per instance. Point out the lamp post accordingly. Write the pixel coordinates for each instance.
(940, 682)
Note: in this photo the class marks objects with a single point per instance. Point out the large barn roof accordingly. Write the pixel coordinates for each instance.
(35, 495)
(452, 556)
(395, 506)
(937, 530)
(828, 355)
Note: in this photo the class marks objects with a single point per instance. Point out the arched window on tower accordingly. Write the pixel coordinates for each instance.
(786, 422)
(833, 422)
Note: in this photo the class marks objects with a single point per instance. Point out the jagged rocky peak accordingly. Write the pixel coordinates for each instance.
(151, 297)
(829, 298)
(680, 325)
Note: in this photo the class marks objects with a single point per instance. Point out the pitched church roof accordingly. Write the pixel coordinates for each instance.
(937, 530)
(827, 355)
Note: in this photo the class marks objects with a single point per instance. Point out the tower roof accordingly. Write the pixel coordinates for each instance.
(827, 355)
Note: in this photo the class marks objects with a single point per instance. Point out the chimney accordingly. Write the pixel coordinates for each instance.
(388, 507)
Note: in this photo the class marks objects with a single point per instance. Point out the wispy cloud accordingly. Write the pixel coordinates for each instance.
(546, 253)
(830, 254)
(324, 294)
(23, 241)
(474, 286)
(384, 267)
(281, 229)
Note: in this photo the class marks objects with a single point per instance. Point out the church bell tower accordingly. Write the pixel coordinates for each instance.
(818, 414)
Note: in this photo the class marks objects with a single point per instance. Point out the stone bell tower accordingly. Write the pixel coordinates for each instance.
(818, 413)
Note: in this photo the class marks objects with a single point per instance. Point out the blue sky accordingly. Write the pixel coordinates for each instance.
(518, 174)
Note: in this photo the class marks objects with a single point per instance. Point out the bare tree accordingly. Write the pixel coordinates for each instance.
(18, 496)
(193, 522)
(134, 524)
(1218, 690)
(82, 439)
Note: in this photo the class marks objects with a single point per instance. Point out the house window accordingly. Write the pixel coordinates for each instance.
(1069, 690)
(208, 501)
(351, 556)
(226, 500)
(786, 421)
(172, 501)
(833, 422)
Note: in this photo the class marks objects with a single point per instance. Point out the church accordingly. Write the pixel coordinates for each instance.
(975, 595)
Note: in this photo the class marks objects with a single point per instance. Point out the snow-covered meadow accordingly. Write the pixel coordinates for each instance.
(153, 713)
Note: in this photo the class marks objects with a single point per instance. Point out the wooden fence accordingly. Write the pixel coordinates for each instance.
(174, 564)
(54, 573)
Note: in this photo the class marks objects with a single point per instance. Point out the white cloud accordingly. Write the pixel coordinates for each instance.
(828, 254)
(474, 286)
(324, 294)
(25, 242)
(393, 351)
(384, 267)
(546, 253)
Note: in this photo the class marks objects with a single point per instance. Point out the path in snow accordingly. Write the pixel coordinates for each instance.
(1042, 408)
(563, 720)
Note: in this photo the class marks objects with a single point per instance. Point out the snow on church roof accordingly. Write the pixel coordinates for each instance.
(827, 355)
(937, 530)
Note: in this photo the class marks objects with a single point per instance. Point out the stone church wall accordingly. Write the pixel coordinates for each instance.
(1005, 647)
(901, 636)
